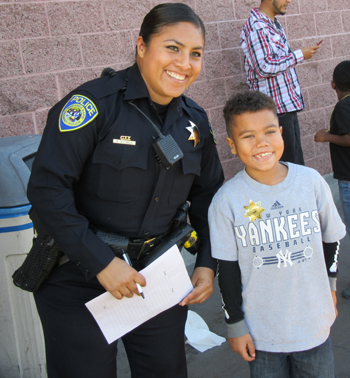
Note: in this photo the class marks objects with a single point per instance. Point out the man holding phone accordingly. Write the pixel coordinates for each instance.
(270, 66)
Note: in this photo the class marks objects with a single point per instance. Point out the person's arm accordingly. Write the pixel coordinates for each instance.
(332, 230)
(58, 164)
(203, 189)
(264, 55)
(340, 126)
(57, 167)
(240, 339)
(224, 248)
(324, 136)
(309, 51)
(331, 251)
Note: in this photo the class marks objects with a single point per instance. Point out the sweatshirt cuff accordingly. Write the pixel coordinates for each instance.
(299, 56)
(333, 283)
(237, 329)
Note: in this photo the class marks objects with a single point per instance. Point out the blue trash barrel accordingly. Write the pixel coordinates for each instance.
(22, 351)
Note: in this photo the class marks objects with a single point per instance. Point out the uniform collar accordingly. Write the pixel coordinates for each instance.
(136, 88)
(135, 85)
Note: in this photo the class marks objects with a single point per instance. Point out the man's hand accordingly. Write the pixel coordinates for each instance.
(309, 51)
(120, 279)
(244, 346)
(321, 136)
(203, 282)
(334, 297)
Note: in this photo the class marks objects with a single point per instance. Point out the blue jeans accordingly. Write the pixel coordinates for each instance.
(344, 194)
(317, 362)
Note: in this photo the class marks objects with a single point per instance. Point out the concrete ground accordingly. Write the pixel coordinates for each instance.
(221, 362)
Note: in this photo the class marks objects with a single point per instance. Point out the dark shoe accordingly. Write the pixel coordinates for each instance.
(346, 293)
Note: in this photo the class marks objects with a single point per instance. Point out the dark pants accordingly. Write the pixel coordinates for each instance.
(76, 347)
(293, 152)
(317, 362)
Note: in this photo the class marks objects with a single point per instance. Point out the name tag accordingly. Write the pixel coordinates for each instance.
(124, 141)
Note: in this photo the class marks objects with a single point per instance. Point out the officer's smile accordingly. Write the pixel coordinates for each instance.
(176, 75)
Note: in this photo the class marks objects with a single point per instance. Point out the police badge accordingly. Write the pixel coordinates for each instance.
(195, 135)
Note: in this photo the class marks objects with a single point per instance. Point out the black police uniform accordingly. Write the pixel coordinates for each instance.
(104, 174)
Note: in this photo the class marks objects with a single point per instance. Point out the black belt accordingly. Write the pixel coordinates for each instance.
(136, 248)
(140, 248)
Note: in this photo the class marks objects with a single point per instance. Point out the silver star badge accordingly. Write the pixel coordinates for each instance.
(194, 130)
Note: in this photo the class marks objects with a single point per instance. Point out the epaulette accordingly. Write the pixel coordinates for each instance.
(192, 104)
(109, 83)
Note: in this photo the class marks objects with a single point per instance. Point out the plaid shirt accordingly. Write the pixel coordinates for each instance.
(269, 62)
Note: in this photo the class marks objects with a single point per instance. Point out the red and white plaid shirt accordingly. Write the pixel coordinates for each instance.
(269, 62)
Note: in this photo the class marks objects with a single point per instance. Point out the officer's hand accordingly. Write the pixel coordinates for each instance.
(203, 282)
(309, 51)
(244, 346)
(321, 136)
(120, 279)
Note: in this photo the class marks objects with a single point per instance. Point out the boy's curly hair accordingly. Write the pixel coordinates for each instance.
(244, 102)
(341, 76)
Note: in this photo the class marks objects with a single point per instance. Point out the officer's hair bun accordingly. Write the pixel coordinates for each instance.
(108, 72)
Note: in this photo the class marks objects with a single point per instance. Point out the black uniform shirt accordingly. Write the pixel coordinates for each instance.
(340, 125)
(87, 176)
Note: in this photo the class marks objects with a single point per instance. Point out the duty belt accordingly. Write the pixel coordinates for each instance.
(140, 248)
(136, 248)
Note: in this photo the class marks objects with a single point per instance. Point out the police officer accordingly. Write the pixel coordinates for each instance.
(96, 168)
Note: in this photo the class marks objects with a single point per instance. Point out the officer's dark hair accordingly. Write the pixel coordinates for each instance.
(165, 15)
(341, 76)
(244, 102)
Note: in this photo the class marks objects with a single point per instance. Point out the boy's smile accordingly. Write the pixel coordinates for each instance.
(257, 140)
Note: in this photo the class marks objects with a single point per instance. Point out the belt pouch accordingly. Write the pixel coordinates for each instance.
(114, 241)
(38, 265)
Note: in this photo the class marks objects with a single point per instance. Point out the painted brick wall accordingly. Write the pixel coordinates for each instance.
(47, 48)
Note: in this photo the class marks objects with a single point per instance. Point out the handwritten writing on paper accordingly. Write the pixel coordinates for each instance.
(167, 284)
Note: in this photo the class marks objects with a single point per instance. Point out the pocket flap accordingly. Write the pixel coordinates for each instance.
(120, 157)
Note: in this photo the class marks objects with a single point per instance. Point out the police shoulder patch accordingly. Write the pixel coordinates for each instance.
(212, 132)
(77, 113)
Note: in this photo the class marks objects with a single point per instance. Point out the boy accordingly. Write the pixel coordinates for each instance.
(339, 138)
(268, 225)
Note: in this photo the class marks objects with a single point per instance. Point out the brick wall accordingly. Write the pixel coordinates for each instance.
(47, 48)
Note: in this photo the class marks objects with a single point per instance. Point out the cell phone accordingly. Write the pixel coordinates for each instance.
(319, 42)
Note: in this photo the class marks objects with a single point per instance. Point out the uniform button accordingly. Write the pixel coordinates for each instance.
(146, 232)
(87, 271)
(78, 263)
(156, 199)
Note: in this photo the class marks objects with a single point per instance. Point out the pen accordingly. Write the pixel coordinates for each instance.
(319, 42)
(127, 260)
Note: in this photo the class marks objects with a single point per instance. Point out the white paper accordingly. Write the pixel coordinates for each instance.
(198, 334)
(167, 284)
